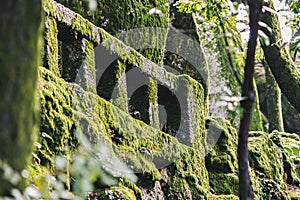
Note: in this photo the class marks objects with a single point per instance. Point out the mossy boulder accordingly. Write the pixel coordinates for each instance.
(289, 145)
(221, 158)
(222, 146)
(265, 159)
(115, 192)
(188, 178)
(223, 197)
(265, 156)
(224, 183)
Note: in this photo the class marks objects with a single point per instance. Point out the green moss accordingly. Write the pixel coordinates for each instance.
(57, 123)
(290, 161)
(197, 109)
(143, 146)
(117, 192)
(85, 27)
(152, 91)
(77, 22)
(222, 197)
(196, 92)
(294, 195)
(139, 144)
(126, 54)
(265, 157)
(51, 45)
(153, 106)
(188, 178)
(221, 158)
(133, 187)
(88, 66)
(222, 143)
(255, 183)
(67, 107)
(224, 184)
(50, 9)
(269, 189)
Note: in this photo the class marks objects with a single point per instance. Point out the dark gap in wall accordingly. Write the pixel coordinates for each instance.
(169, 110)
(71, 53)
(137, 90)
(139, 104)
(107, 81)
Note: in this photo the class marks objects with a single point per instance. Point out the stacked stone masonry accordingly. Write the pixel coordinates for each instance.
(159, 120)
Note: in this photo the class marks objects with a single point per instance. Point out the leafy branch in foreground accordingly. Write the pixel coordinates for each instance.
(91, 165)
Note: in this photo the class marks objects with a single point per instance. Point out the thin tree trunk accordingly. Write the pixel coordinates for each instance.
(281, 64)
(256, 123)
(19, 56)
(273, 96)
(245, 189)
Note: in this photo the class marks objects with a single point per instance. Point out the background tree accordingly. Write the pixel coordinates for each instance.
(273, 98)
(279, 60)
(20, 31)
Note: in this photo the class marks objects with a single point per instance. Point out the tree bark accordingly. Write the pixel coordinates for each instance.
(245, 189)
(281, 64)
(273, 96)
(20, 31)
(256, 123)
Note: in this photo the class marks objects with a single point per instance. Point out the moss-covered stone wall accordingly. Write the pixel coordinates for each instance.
(69, 105)
(196, 161)
(145, 148)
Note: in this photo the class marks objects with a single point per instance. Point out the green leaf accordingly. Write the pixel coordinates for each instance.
(145, 17)
(236, 5)
(295, 42)
(295, 151)
(288, 150)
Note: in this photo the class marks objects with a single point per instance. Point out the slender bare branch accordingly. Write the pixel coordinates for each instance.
(245, 189)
